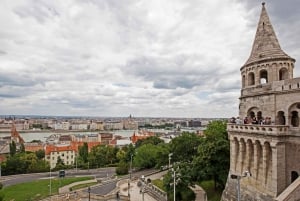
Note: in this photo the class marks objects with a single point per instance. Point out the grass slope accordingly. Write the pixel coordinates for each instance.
(38, 189)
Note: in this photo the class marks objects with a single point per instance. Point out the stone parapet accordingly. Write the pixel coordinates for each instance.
(273, 130)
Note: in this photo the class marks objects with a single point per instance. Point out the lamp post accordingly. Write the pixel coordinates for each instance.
(130, 166)
(50, 188)
(174, 177)
(238, 178)
(130, 171)
(170, 155)
(89, 191)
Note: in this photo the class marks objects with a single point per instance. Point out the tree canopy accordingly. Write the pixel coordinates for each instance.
(184, 147)
(213, 154)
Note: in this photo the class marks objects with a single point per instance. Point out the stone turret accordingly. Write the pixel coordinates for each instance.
(267, 142)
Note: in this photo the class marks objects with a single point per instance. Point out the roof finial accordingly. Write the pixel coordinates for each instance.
(263, 3)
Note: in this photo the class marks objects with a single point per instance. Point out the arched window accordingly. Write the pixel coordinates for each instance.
(294, 176)
(252, 114)
(243, 81)
(259, 116)
(295, 119)
(251, 79)
(283, 74)
(280, 118)
(263, 77)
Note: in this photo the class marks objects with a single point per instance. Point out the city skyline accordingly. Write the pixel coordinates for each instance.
(145, 58)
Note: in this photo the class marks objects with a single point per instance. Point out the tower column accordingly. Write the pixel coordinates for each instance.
(234, 149)
(256, 154)
(279, 182)
(242, 154)
(265, 164)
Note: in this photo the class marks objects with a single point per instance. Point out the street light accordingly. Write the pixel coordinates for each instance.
(130, 171)
(175, 181)
(174, 175)
(238, 178)
(50, 188)
(170, 155)
(130, 166)
(89, 191)
(143, 187)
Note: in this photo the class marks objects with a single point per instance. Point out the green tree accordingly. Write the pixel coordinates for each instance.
(60, 164)
(84, 152)
(145, 156)
(40, 154)
(162, 158)
(102, 155)
(184, 147)
(148, 155)
(182, 181)
(130, 150)
(213, 155)
(14, 165)
(12, 148)
(150, 140)
(121, 155)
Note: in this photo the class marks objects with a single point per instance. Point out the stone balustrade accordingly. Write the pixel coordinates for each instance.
(275, 130)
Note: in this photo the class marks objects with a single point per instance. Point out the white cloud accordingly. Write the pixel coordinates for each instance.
(115, 58)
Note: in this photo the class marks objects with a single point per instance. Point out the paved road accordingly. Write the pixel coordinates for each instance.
(108, 187)
(104, 189)
(23, 178)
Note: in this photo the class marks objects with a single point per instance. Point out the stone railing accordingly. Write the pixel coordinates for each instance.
(291, 193)
(156, 192)
(262, 88)
(275, 130)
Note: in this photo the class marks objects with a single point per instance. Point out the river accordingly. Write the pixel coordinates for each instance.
(42, 136)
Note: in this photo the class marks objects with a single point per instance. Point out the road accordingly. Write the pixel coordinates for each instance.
(111, 185)
(23, 178)
(104, 174)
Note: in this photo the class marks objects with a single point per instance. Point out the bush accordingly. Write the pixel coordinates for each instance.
(122, 168)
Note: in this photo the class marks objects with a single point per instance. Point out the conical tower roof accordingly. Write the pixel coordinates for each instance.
(266, 45)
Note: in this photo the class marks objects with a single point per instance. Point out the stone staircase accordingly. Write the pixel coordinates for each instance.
(291, 193)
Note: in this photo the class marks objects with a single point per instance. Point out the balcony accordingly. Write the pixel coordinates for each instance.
(273, 130)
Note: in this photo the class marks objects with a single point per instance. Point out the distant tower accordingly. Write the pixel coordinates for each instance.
(271, 151)
(15, 136)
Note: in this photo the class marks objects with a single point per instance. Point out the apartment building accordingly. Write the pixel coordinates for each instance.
(67, 153)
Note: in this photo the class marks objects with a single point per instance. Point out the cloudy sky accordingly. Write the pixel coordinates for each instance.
(170, 58)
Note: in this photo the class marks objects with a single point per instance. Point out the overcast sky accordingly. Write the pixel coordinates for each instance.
(158, 58)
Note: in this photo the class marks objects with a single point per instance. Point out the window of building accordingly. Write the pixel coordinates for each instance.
(283, 74)
(259, 116)
(281, 118)
(263, 77)
(251, 79)
(295, 119)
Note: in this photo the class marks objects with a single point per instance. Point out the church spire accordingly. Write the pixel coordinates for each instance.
(265, 45)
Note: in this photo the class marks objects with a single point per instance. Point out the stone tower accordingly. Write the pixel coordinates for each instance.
(268, 144)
